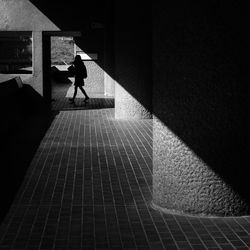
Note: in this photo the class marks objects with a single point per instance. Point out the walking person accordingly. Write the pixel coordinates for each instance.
(80, 73)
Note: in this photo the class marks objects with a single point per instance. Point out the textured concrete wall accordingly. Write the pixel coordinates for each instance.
(109, 85)
(24, 16)
(95, 80)
(132, 62)
(183, 182)
(201, 108)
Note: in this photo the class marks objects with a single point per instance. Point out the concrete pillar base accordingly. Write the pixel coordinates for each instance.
(183, 182)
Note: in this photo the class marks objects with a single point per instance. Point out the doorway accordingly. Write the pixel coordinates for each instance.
(62, 56)
(59, 50)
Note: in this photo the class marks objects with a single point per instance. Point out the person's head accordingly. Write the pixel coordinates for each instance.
(78, 59)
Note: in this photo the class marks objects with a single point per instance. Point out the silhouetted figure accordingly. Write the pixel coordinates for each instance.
(80, 73)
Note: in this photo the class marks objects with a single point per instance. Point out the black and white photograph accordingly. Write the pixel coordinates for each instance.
(124, 125)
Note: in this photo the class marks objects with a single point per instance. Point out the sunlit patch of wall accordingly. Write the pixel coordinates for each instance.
(95, 81)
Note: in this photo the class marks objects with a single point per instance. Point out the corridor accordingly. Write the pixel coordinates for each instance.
(89, 187)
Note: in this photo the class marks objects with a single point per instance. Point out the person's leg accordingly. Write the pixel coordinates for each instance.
(74, 95)
(84, 92)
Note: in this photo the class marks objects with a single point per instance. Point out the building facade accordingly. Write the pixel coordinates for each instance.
(184, 65)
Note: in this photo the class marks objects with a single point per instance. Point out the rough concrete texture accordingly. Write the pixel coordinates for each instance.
(23, 15)
(182, 182)
(127, 106)
(201, 107)
(95, 79)
(109, 85)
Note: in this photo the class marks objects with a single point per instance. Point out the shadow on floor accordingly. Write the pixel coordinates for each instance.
(63, 90)
(79, 104)
(25, 120)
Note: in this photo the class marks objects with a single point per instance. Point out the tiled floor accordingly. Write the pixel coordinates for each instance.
(61, 92)
(89, 187)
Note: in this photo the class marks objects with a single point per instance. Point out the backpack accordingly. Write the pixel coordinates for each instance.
(71, 70)
(85, 75)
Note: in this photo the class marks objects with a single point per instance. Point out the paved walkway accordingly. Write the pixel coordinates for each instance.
(89, 187)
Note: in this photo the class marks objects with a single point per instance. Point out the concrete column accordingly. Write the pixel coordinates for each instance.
(183, 182)
(37, 62)
(132, 64)
(200, 103)
(109, 85)
(127, 106)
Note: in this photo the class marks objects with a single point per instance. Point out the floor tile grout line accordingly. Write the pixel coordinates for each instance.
(22, 188)
(198, 235)
(123, 165)
(211, 235)
(83, 175)
(193, 229)
(151, 218)
(236, 220)
(33, 226)
(81, 115)
(181, 231)
(139, 165)
(48, 209)
(34, 165)
(131, 165)
(120, 156)
(109, 175)
(111, 187)
(143, 144)
(73, 141)
(226, 221)
(168, 228)
(61, 166)
(104, 207)
(128, 157)
(19, 229)
(49, 173)
(46, 221)
(113, 159)
(149, 133)
(89, 112)
(66, 168)
(43, 165)
(73, 114)
(60, 161)
(219, 231)
(93, 143)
